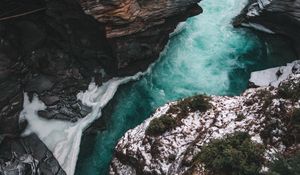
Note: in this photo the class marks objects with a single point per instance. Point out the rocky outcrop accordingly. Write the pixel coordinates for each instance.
(264, 113)
(54, 53)
(27, 155)
(273, 16)
(138, 30)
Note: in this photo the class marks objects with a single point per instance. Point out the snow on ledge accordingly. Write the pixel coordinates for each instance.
(273, 76)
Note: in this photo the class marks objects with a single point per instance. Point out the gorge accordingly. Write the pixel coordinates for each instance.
(68, 53)
(207, 56)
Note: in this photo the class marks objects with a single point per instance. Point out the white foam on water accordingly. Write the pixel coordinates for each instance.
(62, 137)
(180, 27)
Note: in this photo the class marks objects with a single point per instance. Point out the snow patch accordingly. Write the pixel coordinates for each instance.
(257, 26)
(274, 76)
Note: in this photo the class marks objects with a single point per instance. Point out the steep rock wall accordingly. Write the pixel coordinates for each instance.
(273, 16)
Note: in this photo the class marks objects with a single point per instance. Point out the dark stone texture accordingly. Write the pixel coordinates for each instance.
(55, 52)
(280, 16)
(28, 156)
(136, 30)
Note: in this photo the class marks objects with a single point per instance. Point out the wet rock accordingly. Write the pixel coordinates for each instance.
(50, 100)
(39, 84)
(273, 16)
(27, 155)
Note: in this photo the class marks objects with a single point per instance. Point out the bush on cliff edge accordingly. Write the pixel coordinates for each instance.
(160, 125)
(234, 155)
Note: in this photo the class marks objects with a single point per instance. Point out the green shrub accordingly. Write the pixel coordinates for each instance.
(289, 90)
(294, 126)
(267, 97)
(196, 103)
(291, 135)
(286, 166)
(234, 155)
(275, 121)
(160, 125)
(240, 117)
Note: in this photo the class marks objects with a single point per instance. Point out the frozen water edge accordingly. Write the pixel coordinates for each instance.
(63, 138)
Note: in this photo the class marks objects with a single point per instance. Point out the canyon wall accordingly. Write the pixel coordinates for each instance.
(138, 30)
(54, 49)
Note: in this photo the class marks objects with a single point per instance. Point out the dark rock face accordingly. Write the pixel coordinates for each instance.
(278, 16)
(52, 48)
(27, 155)
(138, 30)
(54, 53)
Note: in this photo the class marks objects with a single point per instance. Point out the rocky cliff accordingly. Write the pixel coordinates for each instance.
(170, 140)
(54, 49)
(138, 30)
(273, 16)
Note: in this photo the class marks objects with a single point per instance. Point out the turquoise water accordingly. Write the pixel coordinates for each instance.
(208, 56)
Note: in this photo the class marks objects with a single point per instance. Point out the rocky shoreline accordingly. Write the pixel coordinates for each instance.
(55, 48)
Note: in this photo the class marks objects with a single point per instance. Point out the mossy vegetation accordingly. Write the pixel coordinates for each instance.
(240, 117)
(160, 125)
(180, 110)
(289, 90)
(289, 124)
(293, 127)
(196, 103)
(267, 97)
(289, 165)
(234, 155)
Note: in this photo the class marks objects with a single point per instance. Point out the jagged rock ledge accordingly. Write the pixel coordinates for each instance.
(173, 151)
(138, 30)
(273, 16)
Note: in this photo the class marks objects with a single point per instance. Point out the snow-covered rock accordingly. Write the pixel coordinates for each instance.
(273, 76)
(173, 151)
